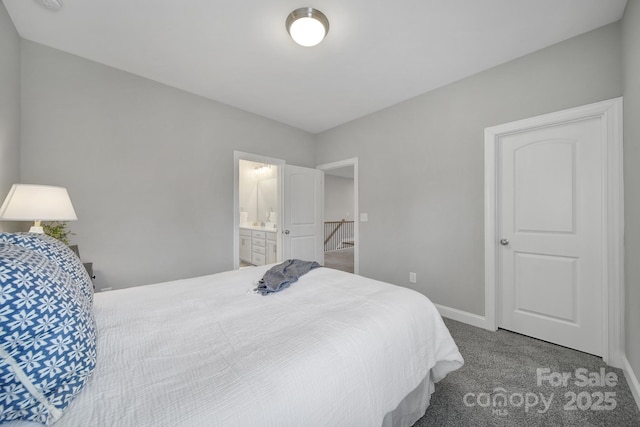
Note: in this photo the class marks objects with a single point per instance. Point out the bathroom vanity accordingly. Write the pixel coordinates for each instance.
(258, 245)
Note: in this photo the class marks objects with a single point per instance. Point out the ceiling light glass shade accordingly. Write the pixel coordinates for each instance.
(307, 26)
(37, 203)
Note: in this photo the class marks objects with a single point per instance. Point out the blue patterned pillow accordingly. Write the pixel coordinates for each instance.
(47, 337)
(57, 252)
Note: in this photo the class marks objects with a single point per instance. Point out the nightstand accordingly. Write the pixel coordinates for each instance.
(89, 267)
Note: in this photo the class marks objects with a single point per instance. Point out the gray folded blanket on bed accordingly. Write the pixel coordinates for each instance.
(282, 275)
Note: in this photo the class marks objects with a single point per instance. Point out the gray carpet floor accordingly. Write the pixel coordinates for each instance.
(341, 259)
(508, 363)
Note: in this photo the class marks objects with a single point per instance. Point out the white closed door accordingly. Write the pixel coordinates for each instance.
(550, 230)
(303, 212)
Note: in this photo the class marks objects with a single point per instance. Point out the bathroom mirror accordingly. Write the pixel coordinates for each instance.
(267, 199)
(258, 194)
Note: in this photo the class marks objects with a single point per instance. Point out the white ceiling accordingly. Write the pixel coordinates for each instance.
(377, 52)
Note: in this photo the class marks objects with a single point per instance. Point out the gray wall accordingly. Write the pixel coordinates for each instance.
(9, 107)
(338, 198)
(421, 162)
(149, 168)
(631, 72)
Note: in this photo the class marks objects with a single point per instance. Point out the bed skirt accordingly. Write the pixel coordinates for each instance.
(412, 407)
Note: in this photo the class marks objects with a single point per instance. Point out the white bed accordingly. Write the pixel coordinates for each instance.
(333, 349)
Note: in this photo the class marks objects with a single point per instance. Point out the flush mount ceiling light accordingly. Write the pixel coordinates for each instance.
(50, 4)
(307, 26)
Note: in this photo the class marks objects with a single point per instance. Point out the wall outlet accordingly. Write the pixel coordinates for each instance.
(412, 277)
(364, 217)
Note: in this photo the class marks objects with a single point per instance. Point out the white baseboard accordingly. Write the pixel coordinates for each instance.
(632, 380)
(462, 316)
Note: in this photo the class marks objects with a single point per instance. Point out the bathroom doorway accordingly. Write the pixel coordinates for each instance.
(257, 209)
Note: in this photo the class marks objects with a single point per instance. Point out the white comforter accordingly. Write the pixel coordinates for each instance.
(334, 349)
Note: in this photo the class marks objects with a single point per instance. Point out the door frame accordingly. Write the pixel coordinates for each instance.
(237, 156)
(356, 216)
(610, 112)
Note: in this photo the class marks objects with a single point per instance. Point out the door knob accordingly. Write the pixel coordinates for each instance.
(504, 242)
(286, 231)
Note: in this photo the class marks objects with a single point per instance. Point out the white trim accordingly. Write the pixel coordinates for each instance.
(237, 156)
(613, 296)
(632, 380)
(462, 316)
(356, 216)
(610, 112)
(490, 229)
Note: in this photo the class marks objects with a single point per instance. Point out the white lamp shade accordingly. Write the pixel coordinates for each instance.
(27, 202)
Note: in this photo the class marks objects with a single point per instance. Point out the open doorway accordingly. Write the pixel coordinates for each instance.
(257, 210)
(341, 242)
(289, 228)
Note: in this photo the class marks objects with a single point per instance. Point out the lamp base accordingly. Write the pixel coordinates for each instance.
(36, 229)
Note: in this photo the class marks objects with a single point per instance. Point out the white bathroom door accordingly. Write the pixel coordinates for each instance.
(303, 213)
(550, 232)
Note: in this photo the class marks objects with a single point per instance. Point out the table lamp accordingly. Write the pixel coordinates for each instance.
(26, 202)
